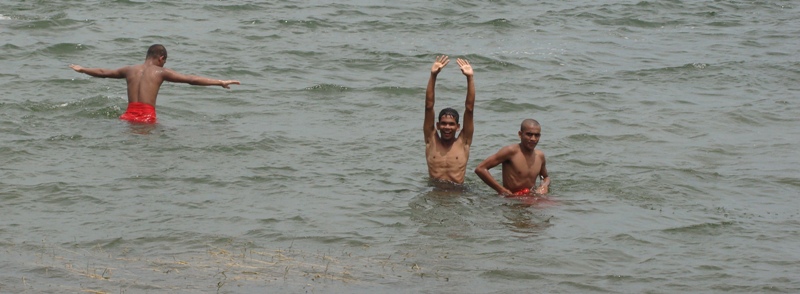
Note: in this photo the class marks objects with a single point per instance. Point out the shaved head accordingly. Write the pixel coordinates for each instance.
(528, 123)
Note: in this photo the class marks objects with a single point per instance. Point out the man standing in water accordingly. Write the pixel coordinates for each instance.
(446, 152)
(522, 164)
(144, 80)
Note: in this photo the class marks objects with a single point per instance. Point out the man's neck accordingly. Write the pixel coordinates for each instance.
(447, 143)
(525, 150)
(152, 61)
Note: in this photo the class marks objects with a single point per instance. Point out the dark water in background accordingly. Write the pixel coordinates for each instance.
(670, 129)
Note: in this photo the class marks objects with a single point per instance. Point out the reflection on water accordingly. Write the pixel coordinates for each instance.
(533, 200)
(447, 187)
(456, 211)
(522, 214)
(441, 210)
(142, 129)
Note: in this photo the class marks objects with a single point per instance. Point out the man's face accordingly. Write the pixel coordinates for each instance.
(447, 127)
(529, 136)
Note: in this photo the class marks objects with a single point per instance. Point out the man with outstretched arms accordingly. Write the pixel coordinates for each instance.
(522, 164)
(446, 151)
(144, 80)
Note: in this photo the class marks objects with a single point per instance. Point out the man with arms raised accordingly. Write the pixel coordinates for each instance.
(522, 164)
(446, 152)
(144, 81)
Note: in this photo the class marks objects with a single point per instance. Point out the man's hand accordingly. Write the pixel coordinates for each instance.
(441, 62)
(76, 67)
(226, 84)
(466, 69)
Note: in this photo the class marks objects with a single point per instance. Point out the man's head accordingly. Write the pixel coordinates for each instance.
(157, 52)
(529, 133)
(448, 124)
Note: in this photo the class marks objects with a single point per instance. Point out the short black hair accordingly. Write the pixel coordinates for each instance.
(450, 112)
(157, 50)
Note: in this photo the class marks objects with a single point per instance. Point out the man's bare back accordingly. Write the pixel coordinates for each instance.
(446, 152)
(522, 164)
(144, 80)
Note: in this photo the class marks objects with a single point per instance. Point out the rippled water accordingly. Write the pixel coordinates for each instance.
(669, 127)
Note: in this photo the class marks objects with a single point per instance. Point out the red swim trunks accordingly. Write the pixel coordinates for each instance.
(522, 192)
(140, 113)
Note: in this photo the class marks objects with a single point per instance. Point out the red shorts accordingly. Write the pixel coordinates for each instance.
(522, 192)
(526, 196)
(140, 113)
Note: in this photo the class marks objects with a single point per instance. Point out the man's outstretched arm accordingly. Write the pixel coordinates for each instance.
(428, 127)
(101, 72)
(172, 76)
(469, 105)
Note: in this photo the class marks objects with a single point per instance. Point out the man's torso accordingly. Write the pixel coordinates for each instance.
(520, 172)
(448, 163)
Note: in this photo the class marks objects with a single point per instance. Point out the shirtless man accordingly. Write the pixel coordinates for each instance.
(144, 81)
(446, 152)
(522, 164)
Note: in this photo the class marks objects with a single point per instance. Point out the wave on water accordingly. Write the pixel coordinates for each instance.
(327, 88)
(54, 23)
(28, 115)
(499, 23)
(503, 105)
(236, 7)
(96, 106)
(61, 49)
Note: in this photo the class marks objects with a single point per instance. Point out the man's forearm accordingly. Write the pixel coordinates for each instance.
(544, 187)
(469, 104)
(203, 81)
(430, 92)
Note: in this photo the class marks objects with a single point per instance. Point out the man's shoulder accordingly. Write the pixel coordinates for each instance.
(461, 141)
(509, 151)
(512, 148)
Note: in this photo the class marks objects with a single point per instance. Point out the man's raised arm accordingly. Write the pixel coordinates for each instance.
(428, 126)
(469, 104)
(101, 72)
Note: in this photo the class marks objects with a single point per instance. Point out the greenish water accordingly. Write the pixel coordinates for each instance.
(669, 128)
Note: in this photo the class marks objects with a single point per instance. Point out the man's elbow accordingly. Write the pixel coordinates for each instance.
(195, 82)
